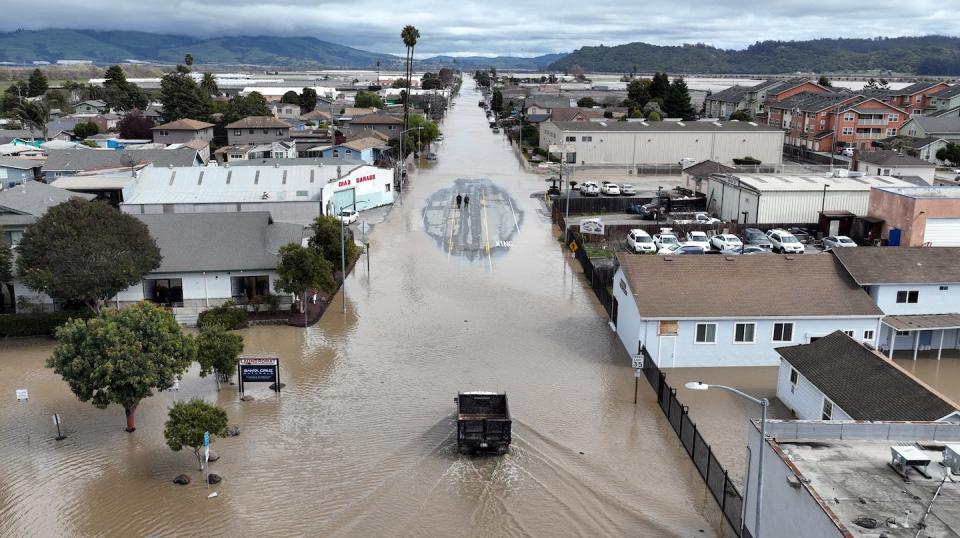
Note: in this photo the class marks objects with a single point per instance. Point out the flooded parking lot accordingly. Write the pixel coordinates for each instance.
(360, 442)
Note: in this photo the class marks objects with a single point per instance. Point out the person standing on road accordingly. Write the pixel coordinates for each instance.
(459, 200)
(466, 201)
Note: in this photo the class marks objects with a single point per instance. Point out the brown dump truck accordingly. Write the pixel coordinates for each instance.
(483, 422)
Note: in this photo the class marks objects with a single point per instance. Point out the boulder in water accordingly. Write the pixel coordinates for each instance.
(214, 478)
(233, 431)
(213, 456)
(182, 480)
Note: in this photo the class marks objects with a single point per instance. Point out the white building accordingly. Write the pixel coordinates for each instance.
(892, 163)
(783, 198)
(838, 378)
(296, 194)
(619, 143)
(705, 311)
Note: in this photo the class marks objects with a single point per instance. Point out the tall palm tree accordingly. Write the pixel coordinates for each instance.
(410, 35)
(34, 115)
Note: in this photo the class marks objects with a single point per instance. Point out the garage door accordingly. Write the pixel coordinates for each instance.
(942, 232)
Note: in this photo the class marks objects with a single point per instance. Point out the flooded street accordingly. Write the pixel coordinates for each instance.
(361, 440)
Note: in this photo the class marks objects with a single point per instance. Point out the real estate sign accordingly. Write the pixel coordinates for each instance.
(259, 370)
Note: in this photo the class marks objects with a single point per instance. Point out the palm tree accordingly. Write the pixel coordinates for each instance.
(410, 35)
(34, 115)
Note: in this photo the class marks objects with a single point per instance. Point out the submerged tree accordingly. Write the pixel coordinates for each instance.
(189, 421)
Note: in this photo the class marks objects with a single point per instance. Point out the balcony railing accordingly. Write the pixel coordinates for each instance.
(873, 122)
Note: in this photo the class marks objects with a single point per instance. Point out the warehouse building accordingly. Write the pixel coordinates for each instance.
(780, 198)
(636, 143)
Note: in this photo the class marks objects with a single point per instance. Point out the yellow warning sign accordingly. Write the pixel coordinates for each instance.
(573, 246)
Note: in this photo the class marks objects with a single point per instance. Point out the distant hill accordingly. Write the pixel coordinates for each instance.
(26, 46)
(927, 55)
(469, 63)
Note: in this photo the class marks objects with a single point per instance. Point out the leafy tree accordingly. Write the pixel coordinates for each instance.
(326, 240)
(638, 91)
(89, 144)
(6, 262)
(368, 100)
(56, 99)
(653, 115)
(496, 102)
(741, 115)
(241, 107)
(949, 153)
(659, 86)
(399, 83)
(578, 73)
(122, 356)
(586, 102)
(209, 84)
(824, 81)
(676, 103)
(34, 115)
(120, 94)
(291, 97)
(182, 97)
(308, 99)
(531, 135)
(189, 421)
(85, 252)
(188, 59)
(431, 81)
(303, 268)
(135, 126)
(428, 132)
(482, 78)
(37, 84)
(85, 130)
(445, 75)
(218, 351)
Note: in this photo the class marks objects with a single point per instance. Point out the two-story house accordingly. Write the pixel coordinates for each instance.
(380, 123)
(257, 130)
(92, 107)
(918, 290)
(285, 110)
(945, 127)
(706, 311)
(182, 131)
(945, 102)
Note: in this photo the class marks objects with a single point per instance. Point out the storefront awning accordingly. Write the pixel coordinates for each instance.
(923, 322)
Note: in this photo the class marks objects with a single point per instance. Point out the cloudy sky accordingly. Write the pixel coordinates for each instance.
(498, 27)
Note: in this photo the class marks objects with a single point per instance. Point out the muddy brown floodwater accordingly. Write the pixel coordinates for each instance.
(360, 442)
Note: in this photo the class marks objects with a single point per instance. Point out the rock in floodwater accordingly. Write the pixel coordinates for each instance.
(214, 478)
(233, 431)
(182, 480)
(273, 386)
(247, 398)
(214, 456)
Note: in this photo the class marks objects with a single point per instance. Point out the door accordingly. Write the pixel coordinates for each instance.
(666, 358)
(942, 233)
(343, 199)
(834, 227)
(893, 238)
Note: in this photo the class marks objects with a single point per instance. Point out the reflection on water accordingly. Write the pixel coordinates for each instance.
(360, 441)
(943, 375)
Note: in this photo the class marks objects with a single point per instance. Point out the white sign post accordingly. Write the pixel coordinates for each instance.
(22, 395)
(56, 422)
(637, 363)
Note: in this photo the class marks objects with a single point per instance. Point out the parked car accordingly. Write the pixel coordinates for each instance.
(726, 242)
(703, 218)
(627, 189)
(610, 189)
(756, 237)
(589, 188)
(348, 216)
(665, 238)
(698, 239)
(439, 139)
(496, 130)
(802, 234)
(675, 250)
(838, 241)
(847, 152)
(650, 211)
(784, 241)
(746, 250)
(431, 156)
(640, 242)
(635, 209)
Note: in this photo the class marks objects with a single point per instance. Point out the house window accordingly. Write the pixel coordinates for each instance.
(918, 99)
(387, 186)
(908, 296)
(743, 333)
(868, 334)
(903, 333)
(827, 410)
(244, 288)
(848, 130)
(571, 139)
(848, 116)
(586, 139)
(164, 291)
(706, 333)
(250, 131)
(349, 152)
(794, 379)
(944, 288)
(892, 131)
(266, 131)
(893, 117)
(917, 112)
(848, 333)
(783, 332)
(669, 327)
(237, 132)
(279, 132)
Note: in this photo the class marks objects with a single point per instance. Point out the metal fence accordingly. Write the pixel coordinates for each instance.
(714, 475)
(599, 276)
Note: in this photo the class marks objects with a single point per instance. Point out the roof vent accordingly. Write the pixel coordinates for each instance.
(718, 124)
(790, 257)
(729, 258)
(681, 124)
(264, 196)
(753, 123)
(668, 258)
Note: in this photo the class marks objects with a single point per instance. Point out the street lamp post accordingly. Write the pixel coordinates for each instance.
(343, 255)
(763, 403)
(823, 202)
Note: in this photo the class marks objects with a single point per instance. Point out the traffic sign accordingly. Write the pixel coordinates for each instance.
(637, 362)
(364, 227)
(22, 394)
(206, 438)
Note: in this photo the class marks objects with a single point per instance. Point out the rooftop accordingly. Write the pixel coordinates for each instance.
(258, 122)
(863, 383)
(796, 183)
(818, 287)
(184, 125)
(937, 191)
(665, 126)
(707, 167)
(71, 160)
(20, 163)
(34, 198)
(947, 92)
(892, 158)
(916, 87)
(377, 119)
(934, 125)
(901, 265)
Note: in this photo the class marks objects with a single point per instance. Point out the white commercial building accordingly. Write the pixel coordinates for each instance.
(782, 198)
(634, 143)
(296, 194)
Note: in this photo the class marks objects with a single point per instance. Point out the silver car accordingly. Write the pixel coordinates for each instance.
(838, 241)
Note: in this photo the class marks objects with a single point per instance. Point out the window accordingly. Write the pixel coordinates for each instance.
(944, 288)
(669, 327)
(892, 131)
(917, 112)
(794, 379)
(918, 99)
(250, 131)
(743, 333)
(279, 132)
(868, 334)
(893, 117)
(827, 413)
(164, 291)
(244, 288)
(903, 333)
(706, 333)
(266, 131)
(571, 139)
(237, 132)
(908, 296)
(848, 130)
(586, 139)
(848, 116)
(783, 332)
(848, 333)
(387, 186)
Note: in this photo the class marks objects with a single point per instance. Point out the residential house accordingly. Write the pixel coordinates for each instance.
(183, 130)
(71, 162)
(945, 127)
(726, 319)
(257, 130)
(576, 114)
(918, 290)
(357, 112)
(917, 216)
(274, 150)
(92, 107)
(154, 113)
(917, 97)
(381, 123)
(695, 175)
(236, 152)
(922, 148)
(315, 117)
(838, 378)
(8, 136)
(284, 110)
(754, 99)
(107, 186)
(234, 258)
(812, 120)
(894, 163)
(16, 170)
(542, 104)
(368, 150)
(948, 98)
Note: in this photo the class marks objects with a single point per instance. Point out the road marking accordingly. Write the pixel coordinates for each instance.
(486, 225)
(452, 222)
(515, 222)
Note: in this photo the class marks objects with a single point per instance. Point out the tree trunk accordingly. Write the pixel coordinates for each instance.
(131, 422)
(196, 452)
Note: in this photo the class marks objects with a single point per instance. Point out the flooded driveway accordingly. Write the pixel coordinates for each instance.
(361, 441)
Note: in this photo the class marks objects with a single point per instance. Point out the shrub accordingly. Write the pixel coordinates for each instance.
(227, 315)
(37, 324)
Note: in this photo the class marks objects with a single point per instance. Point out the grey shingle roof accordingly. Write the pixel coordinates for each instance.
(911, 141)
(707, 167)
(865, 385)
(933, 125)
(901, 265)
(258, 122)
(818, 286)
(34, 198)
(193, 242)
(916, 87)
(87, 159)
(892, 158)
(19, 163)
(812, 102)
(947, 92)
(733, 94)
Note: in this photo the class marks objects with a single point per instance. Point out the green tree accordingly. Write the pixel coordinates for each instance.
(120, 94)
(410, 35)
(6, 262)
(209, 84)
(741, 115)
(653, 115)
(400, 83)
(586, 102)
(496, 102)
(135, 126)
(85, 130)
(431, 81)
(824, 81)
(188, 59)
(638, 91)
(122, 356)
(291, 97)
(659, 86)
(241, 107)
(85, 252)
(368, 100)
(182, 97)
(326, 239)
(37, 84)
(308, 99)
(55, 99)
(949, 153)
(218, 351)
(34, 115)
(189, 421)
(303, 268)
(676, 103)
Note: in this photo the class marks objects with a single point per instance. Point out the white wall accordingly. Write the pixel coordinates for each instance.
(925, 172)
(806, 400)
(778, 207)
(213, 286)
(628, 317)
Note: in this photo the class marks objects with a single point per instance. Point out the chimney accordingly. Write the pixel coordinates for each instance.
(855, 160)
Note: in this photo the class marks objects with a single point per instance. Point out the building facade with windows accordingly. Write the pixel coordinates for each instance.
(729, 320)
(819, 122)
(257, 130)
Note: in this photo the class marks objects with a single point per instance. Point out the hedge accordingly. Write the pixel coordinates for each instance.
(40, 324)
(226, 316)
